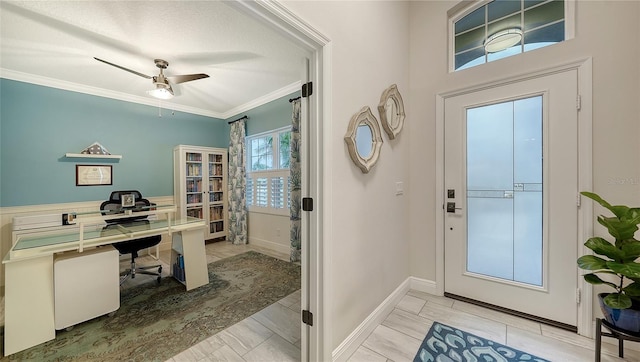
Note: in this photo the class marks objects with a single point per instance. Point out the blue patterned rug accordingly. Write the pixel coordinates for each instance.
(448, 344)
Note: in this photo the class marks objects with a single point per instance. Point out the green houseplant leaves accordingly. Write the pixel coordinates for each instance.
(615, 259)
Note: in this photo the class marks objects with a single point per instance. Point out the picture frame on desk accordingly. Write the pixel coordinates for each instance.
(94, 175)
(128, 200)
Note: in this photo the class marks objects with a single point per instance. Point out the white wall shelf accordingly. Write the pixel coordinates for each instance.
(87, 155)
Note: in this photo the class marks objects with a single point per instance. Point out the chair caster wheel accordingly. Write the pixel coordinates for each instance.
(160, 269)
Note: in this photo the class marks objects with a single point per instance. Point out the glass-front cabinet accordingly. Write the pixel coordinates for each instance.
(200, 186)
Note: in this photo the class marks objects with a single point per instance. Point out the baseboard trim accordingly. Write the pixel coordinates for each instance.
(271, 245)
(423, 285)
(360, 334)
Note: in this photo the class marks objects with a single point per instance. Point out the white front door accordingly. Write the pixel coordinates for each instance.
(511, 178)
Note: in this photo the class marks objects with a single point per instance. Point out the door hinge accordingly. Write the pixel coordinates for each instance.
(307, 89)
(307, 317)
(579, 200)
(578, 102)
(307, 204)
(578, 296)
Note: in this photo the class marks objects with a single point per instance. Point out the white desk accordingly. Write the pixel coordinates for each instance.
(29, 282)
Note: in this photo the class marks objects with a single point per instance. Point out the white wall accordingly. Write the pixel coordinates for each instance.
(607, 31)
(368, 240)
(270, 231)
(370, 248)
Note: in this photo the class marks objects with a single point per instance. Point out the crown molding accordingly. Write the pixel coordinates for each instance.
(279, 93)
(74, 87)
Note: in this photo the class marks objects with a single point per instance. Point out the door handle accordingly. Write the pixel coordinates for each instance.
(451, 207)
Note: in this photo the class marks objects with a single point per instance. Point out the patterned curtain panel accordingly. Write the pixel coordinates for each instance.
(236, 184)
(295, 181)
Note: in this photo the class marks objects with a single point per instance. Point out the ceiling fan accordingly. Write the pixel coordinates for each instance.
(163, 88)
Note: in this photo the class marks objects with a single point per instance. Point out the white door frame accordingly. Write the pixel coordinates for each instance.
(585, 182)
(314, 268)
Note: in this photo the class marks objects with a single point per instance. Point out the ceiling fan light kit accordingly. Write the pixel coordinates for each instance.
(162, 85)
(160, 92)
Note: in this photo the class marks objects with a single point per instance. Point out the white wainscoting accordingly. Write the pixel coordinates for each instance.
(270, 231)
(360, 334)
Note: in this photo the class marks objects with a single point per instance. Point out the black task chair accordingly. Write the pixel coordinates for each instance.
(115, 206)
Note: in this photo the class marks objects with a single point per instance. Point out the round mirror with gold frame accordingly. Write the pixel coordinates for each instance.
(364, 139)
(391, 110)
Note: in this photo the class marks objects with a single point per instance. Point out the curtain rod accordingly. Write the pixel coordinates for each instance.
(239, 119)
(293, 99)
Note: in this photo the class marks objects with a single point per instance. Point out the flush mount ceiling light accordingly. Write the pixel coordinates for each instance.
(502, 40)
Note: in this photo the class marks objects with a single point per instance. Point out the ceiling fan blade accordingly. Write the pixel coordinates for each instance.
(177, 79)
(123, 68)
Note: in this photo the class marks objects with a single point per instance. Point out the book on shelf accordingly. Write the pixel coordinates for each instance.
(178, 268)
(195, 213)
(194, 185)
(194, 157)
(194, 169)
(215, 213)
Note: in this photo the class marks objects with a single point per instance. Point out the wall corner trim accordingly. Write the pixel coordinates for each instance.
(424, 285)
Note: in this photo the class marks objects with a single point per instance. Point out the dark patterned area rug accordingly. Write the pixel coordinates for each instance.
(444, 343)
(156, 322)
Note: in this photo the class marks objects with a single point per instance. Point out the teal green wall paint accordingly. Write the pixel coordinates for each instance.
(269, 116)
(38, 125)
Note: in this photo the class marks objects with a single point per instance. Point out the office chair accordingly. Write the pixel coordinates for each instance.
(115, 206)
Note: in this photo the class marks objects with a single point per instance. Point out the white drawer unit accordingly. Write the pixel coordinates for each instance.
(86, 285)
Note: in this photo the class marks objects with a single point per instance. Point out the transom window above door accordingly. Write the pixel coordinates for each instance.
(493, 30)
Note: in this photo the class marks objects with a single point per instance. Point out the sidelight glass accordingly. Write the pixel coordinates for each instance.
(504, 190)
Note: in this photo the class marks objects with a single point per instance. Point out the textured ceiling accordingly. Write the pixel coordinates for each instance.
(54, 42)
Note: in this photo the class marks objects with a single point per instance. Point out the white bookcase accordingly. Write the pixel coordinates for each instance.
(200, 186)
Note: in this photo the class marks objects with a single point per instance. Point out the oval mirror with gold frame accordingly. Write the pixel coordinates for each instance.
(391, 110)
(364, 139)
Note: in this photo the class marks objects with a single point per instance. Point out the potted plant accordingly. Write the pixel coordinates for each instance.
(616, 262)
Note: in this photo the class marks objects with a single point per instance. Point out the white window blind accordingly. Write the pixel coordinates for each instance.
(268, 181)
(262, 194)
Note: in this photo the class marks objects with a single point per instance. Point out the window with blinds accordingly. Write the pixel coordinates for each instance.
(268, 184)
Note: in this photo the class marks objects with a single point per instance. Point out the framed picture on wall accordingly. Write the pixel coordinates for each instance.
(93, 175)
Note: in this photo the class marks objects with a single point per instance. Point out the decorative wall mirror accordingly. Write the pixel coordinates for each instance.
(391, 109)
(364, 139)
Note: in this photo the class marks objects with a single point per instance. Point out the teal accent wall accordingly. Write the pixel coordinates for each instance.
(269, 116)
(38, 125)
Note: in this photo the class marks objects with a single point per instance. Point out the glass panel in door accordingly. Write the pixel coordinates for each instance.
(216, 179)
(193, 164)
(504, 190)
